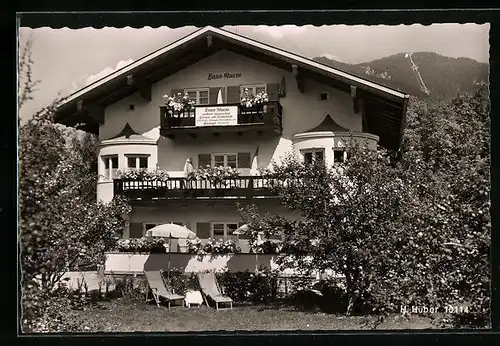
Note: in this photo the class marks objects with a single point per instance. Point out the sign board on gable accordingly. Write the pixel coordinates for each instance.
(216, 116)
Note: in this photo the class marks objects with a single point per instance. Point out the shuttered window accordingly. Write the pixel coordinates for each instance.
(253, 89)
(224, 230)
(137, 161)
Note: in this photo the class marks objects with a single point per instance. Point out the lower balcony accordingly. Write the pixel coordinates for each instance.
(182, 189)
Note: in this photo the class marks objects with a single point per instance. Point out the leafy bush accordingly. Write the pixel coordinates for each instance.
(144, 244)
(259, 287)
(181, 282)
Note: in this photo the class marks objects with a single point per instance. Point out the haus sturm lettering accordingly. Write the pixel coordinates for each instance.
(225, 75)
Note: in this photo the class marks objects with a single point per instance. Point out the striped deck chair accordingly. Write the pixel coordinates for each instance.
(159, 289)
(210, 288)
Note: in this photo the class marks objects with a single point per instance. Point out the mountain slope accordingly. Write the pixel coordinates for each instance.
(443, 76)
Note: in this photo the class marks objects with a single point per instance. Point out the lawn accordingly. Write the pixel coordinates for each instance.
(123, 315)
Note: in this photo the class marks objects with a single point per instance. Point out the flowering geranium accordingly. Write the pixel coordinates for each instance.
(195, 246)
(143, 174)
(143, 244)
(216, 175)
(250, 100)
(177, 103)
(221, 246)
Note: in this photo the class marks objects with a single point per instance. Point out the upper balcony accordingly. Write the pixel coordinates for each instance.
(219, 118)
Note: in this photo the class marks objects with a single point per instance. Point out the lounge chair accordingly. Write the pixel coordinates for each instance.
(210, 288)
(159, 289)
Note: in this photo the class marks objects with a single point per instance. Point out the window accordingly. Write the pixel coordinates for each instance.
(314, 156)
(200, 96)
(223, 230)
(253, 89)
(339, 155)
(137, 161)
(323, 96)
(225, 160)
(110, 166)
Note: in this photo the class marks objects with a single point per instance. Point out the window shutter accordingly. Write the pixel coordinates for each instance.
(135, 230)
(204, 160)
(203, 230)
(244, 160)
(273, 91)
(174, 92)
(233, 94)
(213, 93)
(243, 236)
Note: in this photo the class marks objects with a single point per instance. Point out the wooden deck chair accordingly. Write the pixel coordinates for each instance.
(159, 289)
(210, 288)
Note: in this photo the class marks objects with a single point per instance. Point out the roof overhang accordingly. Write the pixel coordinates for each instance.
(384, 107)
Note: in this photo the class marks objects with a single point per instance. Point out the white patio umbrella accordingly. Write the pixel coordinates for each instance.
(219, 97)
(170, 230)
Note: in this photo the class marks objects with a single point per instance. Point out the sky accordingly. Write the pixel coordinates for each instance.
(65, 60)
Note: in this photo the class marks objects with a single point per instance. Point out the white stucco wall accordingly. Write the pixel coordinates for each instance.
(300, 111)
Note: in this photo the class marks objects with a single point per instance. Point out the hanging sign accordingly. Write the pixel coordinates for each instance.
(216, 116)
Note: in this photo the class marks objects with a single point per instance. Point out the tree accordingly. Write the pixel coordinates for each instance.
(413, 231)
(61, 223)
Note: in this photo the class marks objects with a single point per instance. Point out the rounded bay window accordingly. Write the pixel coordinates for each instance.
(328, 141)
(126, 151)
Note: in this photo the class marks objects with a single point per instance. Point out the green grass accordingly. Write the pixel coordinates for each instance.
(122, 315)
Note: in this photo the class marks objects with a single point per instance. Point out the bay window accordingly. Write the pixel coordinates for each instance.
(110, 166)
(137, 162)
(313, 156)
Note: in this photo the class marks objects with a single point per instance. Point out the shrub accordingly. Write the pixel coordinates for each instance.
(259, 287)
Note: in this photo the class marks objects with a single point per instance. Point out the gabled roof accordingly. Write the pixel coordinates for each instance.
(388, 103)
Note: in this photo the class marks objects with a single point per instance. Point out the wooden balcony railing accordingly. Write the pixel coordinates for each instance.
(262, 118)
(244, 187)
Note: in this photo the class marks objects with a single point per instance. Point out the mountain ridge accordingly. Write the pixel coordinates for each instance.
(443, 76)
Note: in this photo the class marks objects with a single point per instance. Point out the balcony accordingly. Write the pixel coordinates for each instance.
(216, 119)
(248, 187)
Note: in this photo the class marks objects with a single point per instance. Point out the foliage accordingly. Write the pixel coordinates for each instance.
(61, 225)
(194, 246)
(249, 100)
(25, 91)
(144, 244)
(266, 247)
(177, 104)
(143, 175)
(216, 175)
(181, 282)
(257, 287)
(397, 229)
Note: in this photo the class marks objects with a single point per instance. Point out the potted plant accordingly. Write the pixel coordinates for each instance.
(177, 104)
